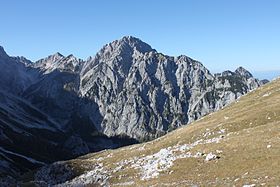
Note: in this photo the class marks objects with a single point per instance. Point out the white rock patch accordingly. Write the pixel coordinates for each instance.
(267, 94)
(249, 185)
(96, 176)
(211, 156)
(152, 165)
(124, 183)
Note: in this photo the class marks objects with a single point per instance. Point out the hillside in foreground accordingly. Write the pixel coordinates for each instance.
(238, 145)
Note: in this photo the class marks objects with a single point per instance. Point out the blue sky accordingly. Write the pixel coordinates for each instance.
(221, 34)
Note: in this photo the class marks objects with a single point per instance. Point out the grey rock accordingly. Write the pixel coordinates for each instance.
(58, 62)
(144, 94)
(16, 76)
(243, 72)
(264, 81)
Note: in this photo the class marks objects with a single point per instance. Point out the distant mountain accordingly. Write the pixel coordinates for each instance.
(128, 92)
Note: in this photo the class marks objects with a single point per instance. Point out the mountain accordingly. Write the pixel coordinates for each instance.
(127, 93)
(58, 62)
(16, 76)
(144, 94)
(33, 104)
(236, 146)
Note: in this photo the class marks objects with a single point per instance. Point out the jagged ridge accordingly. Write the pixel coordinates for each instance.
(127, 91)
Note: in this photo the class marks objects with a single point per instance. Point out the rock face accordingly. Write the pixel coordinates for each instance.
(144, 94)
(15, 76)
(127, 92)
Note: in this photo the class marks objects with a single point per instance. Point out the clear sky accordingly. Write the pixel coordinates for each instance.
(221, 34)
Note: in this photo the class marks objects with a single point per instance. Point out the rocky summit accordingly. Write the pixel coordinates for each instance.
(127, 93)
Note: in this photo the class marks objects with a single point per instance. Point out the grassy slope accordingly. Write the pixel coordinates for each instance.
(251, 124)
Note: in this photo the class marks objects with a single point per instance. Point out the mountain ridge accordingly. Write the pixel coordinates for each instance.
(126, 93)
(123, 55)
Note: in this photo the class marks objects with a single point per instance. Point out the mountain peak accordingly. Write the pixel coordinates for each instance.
(51, 58)
(130, 39)
(136, 43)
(126, 44)
(23, 60)
(58, 55)
(243, 72)
(2, 52)
(71, 58)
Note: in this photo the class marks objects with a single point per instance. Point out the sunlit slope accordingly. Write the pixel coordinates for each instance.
(239, 145)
